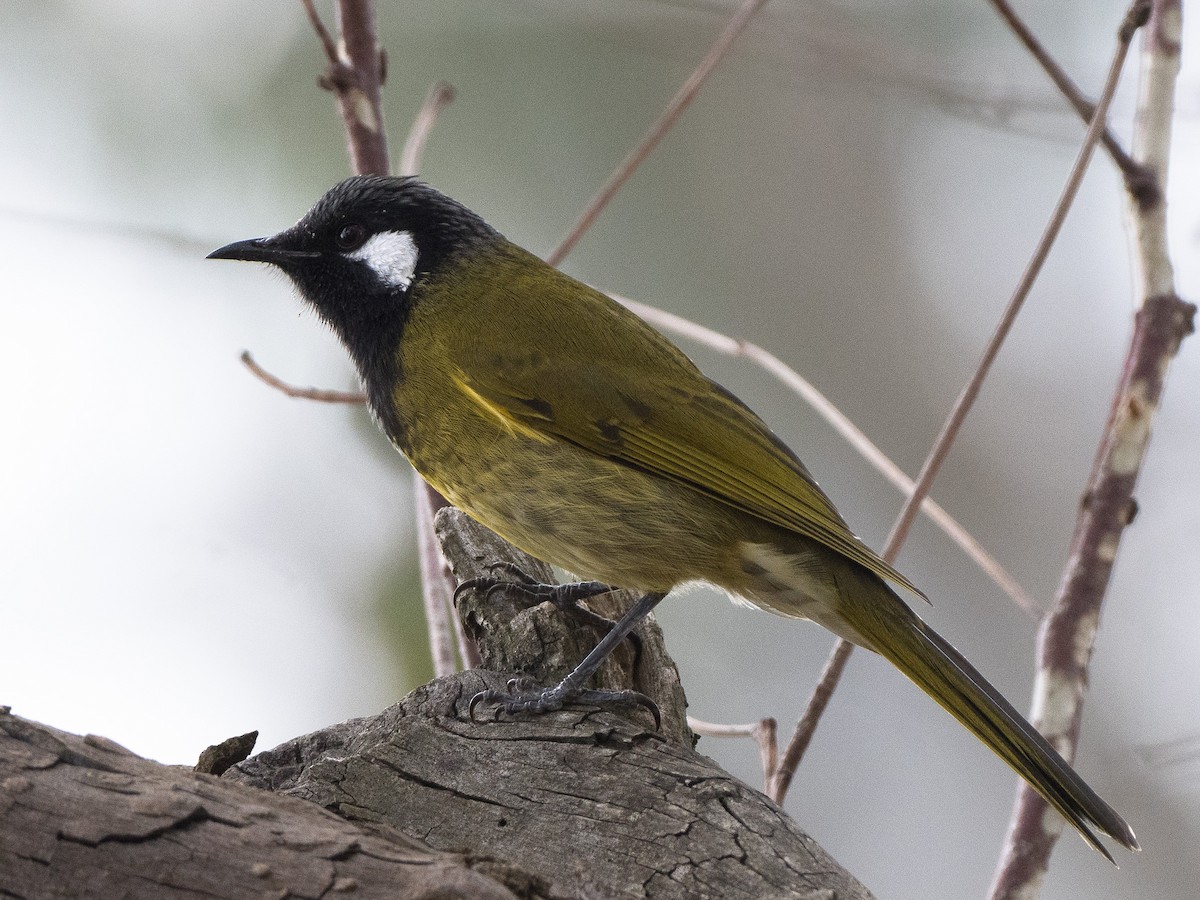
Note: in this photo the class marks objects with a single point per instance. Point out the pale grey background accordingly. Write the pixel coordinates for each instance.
(188, 555)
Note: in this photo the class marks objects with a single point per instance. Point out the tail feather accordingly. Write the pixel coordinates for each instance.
(944, 673)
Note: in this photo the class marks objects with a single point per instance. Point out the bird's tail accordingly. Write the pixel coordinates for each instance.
(897, 634)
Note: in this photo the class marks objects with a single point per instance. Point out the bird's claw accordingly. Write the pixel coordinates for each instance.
(520, 697)
(566, 597)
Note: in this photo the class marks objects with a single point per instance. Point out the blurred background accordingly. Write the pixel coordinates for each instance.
(187, 554)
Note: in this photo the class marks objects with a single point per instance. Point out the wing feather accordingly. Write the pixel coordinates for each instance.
(696, 433)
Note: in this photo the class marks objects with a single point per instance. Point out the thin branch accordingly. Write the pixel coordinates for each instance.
(1068, 88)
(763, 731)
(962, 406)
(321, 395)
(358, 83)
(437, 585)
(439, 97)
(850, 432)
(355, 76)
(777, 787)
(1068, 633)
(323, 34)
(680, 102)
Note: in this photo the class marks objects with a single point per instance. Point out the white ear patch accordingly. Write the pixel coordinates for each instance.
(392, 255)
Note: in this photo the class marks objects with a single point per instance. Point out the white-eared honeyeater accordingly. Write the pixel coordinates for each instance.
(563, 422)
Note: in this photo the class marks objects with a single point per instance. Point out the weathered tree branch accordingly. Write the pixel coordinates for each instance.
(84, 817)
(590, 801)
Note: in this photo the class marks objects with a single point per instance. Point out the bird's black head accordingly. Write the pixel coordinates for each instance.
(360, 254)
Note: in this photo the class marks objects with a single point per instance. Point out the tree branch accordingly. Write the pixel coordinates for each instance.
(84, 817)
(355, 76)
(321, 395)
(549, 790)
(763, 732)
(439, 97)
(1068, 633)
(420, 801)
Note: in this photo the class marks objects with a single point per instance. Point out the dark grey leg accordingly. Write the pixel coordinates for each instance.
(572, 687)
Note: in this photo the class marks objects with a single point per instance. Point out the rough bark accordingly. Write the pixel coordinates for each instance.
(588, 802)
(420, 801)
(595, 802)
(84, 817)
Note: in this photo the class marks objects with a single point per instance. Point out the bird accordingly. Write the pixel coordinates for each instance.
(565, 423)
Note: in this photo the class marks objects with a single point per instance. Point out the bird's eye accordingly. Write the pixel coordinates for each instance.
(351, 237)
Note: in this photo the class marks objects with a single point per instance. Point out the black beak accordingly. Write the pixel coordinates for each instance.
(261, 250)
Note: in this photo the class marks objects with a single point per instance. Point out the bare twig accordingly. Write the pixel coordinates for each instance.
(323, 34)
(355, 76)
(436, 584)
(962, 406)
(777, 787)
(681, 101)
(966, 399)
(439, 97)
(357, 83)
(763, 731)
(852, 434)
(1068, 633)
(1068, 88)
(321, 395)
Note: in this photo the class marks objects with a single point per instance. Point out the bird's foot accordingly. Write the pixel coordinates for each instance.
(522, 695)
(567, 598)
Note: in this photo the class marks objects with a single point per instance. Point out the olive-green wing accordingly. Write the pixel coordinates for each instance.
(670, 420)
